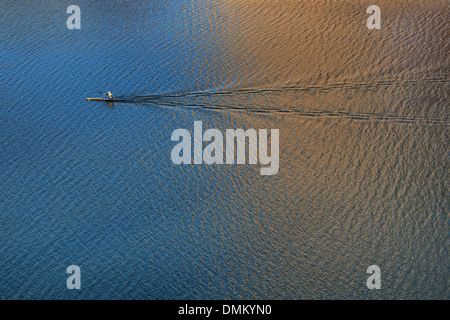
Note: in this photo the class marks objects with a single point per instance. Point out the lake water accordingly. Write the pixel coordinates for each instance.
(364, 128)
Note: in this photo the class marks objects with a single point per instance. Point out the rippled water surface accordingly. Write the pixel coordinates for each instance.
(364, 123)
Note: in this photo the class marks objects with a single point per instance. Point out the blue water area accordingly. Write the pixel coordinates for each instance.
(363, 120)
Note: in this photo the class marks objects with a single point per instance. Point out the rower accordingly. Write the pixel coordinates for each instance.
(110, 96)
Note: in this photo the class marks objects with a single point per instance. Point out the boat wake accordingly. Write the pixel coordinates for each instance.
(296, 100)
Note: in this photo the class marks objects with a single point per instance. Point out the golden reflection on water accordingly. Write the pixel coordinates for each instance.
(317, 42)
(362, 118)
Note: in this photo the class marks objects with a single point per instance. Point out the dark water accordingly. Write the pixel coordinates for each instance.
(364, 127)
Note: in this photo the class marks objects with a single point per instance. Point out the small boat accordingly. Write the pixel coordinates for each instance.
(104, 99)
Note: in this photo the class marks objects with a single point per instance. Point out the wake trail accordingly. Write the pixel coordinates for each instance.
(217, 100)
(379, 84)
